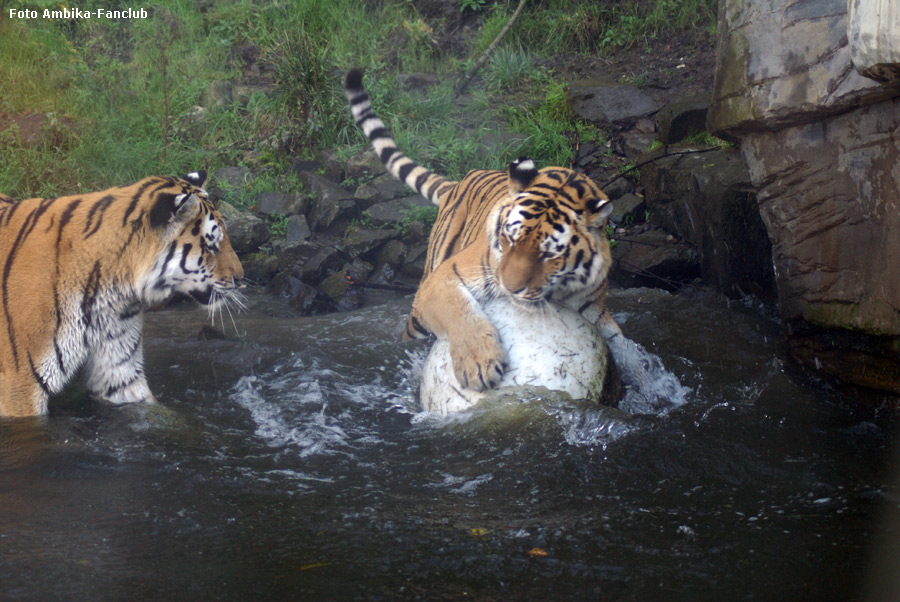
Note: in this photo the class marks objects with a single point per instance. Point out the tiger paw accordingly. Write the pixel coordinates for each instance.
(478, 362)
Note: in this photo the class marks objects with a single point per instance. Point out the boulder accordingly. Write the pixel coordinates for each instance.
(653, 259)
(329, 203)
(247, 233)
(365, 165)
(628, 207)
(312, 260)
(874, 33)
(361, 242)
(706, 199)
(44, 129)
(232, 179)
(389, 187)
(280, 203)
(297, 229)
(217, 94)
(820, 143)
(609, 102)
(781, 63)
(393, 212)
(682, 117)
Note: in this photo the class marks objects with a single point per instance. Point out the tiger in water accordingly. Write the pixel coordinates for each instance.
(79, 271)
(530, 235)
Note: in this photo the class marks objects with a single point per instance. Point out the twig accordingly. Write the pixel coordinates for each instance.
(663, 155)
(464, 83)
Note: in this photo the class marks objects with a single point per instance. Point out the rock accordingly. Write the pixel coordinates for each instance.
(247, 233)
(365, 165)
(335, 285)
(259, 267)
(617, 188)
(228, 212)
(366, 196)
(279, 203)
(325, 165)
(707, 200)
(414, 265)
(389, 187)
(609, 103)
(781, 63)
(417, 81)
(191, 124)
(362, 242)
(313, 259)
(242, 93)
(625, 207)
(864, 362)
(232, 179)
(820, 143)
(216, 95)
(874, 33)
(44, 129)
(340, 291)
(555, 348)
(393, 212)
(330, 203)
(654, 259)
(302, 297)
(681, 117)
(828, 196)
(392, 253)
(297, 229)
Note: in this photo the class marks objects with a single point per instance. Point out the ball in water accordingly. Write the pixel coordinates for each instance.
(554, 347)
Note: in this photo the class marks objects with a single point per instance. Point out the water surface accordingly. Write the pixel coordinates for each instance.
(290, 462)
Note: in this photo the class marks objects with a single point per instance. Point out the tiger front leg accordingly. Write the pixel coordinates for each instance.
(445, 306)
(116, 364)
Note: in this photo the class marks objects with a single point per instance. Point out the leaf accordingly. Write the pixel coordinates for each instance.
(537, 552)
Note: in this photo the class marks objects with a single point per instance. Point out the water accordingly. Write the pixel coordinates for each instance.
(290, 462)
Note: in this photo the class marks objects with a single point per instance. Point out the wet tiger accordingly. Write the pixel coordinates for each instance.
(78, 272)
(531, 235)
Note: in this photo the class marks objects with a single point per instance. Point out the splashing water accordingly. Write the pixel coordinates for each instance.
(649, 387)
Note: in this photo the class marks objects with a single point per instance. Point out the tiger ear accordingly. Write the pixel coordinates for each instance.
(168, 208)
(599, 211)
(522, 173)
(197, 178)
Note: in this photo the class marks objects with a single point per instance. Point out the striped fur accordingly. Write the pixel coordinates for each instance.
(78, 271)
(531, 235)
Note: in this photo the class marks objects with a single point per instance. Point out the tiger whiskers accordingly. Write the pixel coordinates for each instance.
(222, 301)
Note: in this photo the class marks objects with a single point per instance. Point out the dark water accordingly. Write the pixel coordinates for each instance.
(290, 463)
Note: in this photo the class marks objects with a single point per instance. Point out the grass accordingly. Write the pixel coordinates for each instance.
(131, 87)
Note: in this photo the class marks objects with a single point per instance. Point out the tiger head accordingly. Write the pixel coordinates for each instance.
(548, 236)
(195, 258)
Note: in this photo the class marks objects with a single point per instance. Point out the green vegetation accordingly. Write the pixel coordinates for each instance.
(123, 95)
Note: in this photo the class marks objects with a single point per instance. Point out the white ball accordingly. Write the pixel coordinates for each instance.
(556, 348)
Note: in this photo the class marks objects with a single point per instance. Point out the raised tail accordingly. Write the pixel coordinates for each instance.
(427, 183)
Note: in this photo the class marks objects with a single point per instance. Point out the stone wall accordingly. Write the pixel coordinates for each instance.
(822, 144)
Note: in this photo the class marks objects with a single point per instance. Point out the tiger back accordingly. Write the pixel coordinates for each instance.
(533, 236)
(77, 272)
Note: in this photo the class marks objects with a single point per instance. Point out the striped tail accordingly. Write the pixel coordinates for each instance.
(430, 185)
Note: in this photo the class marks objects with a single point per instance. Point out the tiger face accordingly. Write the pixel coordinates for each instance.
(547, 237)
(197, 259)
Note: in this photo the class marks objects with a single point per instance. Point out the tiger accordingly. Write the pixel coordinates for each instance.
(78, 272)
(531, 235)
